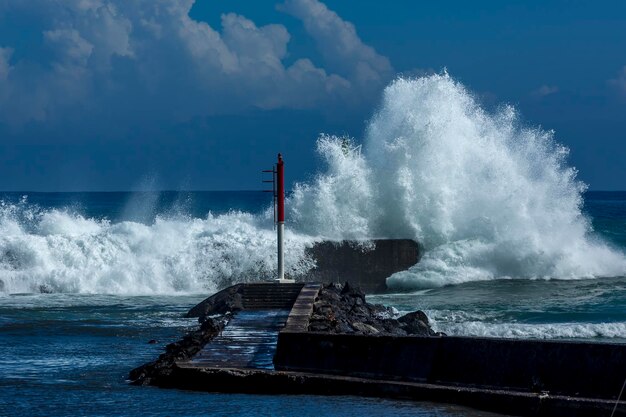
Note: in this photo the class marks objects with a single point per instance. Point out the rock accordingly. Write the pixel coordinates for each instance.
(344, 309)
(344, 328)
(364, 328)
(332, 297)
(416, 315)
(153, 342)
(416, 323)
(323, 308)
(359, 311)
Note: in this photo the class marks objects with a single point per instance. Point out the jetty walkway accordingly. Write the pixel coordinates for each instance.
(250, 337)
(248, 341)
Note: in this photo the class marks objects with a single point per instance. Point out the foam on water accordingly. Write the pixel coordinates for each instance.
(459, 323)
(60, 251)
(486, 197)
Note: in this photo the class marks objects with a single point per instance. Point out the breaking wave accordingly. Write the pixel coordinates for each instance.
(485, 196)
(460, 323)
(60, 251)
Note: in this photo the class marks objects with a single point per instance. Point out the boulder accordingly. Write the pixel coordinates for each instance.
(364, 328)
(416, 323)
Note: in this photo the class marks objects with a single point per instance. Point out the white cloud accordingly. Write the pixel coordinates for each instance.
(545, 90)
(5, 67)
(619, 82)
(340, 44)
(116, 56)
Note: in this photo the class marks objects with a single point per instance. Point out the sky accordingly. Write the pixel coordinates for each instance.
(107, 95)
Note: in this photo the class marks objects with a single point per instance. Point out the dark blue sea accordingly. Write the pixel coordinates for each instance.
(87, 279)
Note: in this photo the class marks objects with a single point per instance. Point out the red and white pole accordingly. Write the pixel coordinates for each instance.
(280, 174)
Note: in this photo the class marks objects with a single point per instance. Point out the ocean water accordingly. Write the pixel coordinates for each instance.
(68, 352)
(514, 246)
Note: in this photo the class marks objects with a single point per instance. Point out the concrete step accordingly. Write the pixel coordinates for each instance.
(288, 303)
(265, 306)
(256, 300)
(270, 295)
(262, 296)
(250, 302)
(274, 292)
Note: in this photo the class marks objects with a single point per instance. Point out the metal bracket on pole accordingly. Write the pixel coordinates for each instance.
(278, 190)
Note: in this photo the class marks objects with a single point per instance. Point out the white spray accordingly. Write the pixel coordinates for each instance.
(485, 196)
(60, 251)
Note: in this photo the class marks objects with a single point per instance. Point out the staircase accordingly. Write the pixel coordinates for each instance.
(269, 295)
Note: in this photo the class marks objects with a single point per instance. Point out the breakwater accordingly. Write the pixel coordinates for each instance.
(364, 264)
(560, 368)
(519, 377)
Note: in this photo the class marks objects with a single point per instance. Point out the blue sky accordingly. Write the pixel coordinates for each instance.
(117, 95)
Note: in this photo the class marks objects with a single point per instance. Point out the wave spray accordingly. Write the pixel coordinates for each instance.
(486, 197)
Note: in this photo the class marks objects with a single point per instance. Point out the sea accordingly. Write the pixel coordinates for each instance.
(514, 246)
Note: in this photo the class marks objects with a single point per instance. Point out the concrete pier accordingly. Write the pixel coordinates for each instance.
(517, 377)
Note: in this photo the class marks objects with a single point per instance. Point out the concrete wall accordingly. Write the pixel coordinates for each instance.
(568, 368)
(368, 269)
(261, 381)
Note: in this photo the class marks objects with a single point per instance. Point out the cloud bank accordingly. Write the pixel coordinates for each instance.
(110, 59)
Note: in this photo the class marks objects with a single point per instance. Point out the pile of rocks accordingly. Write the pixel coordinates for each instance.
(343, 309)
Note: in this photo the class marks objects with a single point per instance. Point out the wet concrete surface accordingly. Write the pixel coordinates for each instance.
(248, 341)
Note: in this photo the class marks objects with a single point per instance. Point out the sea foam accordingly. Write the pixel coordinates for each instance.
(60, 251)
(486, 197)
(460, 323)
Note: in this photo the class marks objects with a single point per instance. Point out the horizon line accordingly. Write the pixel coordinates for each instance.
(196, 191)
(131, 191)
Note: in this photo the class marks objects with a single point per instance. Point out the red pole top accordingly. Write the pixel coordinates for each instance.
(280, 173)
